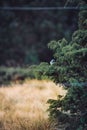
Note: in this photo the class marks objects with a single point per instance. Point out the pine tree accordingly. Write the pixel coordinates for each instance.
(71, 68)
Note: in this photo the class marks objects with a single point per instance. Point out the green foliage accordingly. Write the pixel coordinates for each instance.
(71, 66)
(83, 19)
(41, 70)
(70, 57)
(71, 109)
(8, 74)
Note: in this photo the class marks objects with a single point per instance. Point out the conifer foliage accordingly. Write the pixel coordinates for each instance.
(70, 68)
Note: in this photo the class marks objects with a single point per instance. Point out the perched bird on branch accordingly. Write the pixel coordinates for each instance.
(52, 62)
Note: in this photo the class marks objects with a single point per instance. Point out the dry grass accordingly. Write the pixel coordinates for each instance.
(23, 107)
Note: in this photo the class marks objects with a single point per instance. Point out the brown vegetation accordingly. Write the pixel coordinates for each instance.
(17, 78)
(23, 107)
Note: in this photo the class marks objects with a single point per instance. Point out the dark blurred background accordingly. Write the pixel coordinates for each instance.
(24, 35)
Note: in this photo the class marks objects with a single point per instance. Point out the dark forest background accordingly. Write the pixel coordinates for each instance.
(24, 35)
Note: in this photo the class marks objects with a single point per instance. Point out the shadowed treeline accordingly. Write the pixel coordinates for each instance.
(24, 35)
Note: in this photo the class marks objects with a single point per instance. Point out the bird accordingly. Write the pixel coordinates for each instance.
(52, 62)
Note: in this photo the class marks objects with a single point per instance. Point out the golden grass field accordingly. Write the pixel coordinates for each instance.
(23, 106)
